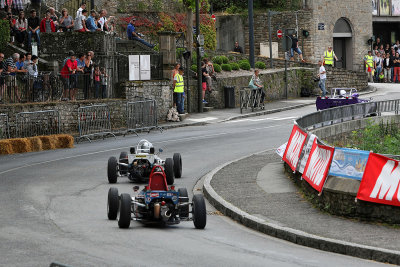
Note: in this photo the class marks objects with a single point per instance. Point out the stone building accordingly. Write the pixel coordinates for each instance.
(344, 24)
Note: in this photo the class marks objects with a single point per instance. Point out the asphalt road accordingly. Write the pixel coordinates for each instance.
(53, 205)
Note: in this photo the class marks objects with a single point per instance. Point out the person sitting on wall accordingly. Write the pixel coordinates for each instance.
(132, 35)
(238, 48)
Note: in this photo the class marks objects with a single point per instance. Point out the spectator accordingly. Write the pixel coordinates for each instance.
(238, 48)
(104, 82)
(81, 63)
(174, 72)
(54, 17)
(97, 81)
(256, 85)
(90, 22)
(80, 22)
(376, 50)
(68, 73)
(322, 78)
(179, 91)
(204, 75)
(2, 75)
(103, 20)
(33, 83)
(295, 47)
(17, 6)
(396, 46)
(47, 24)
(21, 25)
(329, 57)
(28, 59)
(378, 42)
(33, 28)
(378, 65)
(20, 64)
(387, 49)
(12, 22)
(11, 82)
(211, 73)
(132, 35)
(392, 56)
(66, 21)
(369, 66)
(396, 63)
(32, 67)
(381, 50)
(79, 12)
(88, 69)
(387, 68)
(97, 21)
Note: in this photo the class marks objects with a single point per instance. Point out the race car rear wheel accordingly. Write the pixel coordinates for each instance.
(177, 165)
(183, 211)
(123, 158)
(112, 170)
(169, 171)
(124, 219)
(199, 212)
(112, 203)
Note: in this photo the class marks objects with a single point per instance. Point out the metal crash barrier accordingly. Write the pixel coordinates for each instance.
(250, 98)
(4, 127)
(141, 115)
(94, 121)
(45, 122)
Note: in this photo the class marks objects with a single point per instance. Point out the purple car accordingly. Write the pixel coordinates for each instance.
(339, 97)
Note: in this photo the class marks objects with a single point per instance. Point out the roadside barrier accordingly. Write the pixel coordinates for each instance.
(94, 121)
(45, 122)
(141, 115)
(4, 127)
(250, 98)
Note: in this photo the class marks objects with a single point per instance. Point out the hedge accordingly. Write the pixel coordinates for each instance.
(226, 67)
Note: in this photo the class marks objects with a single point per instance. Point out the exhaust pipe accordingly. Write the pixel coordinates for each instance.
(165, 213)
(157, 209)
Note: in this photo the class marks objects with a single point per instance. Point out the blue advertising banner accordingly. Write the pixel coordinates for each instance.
(349, 163)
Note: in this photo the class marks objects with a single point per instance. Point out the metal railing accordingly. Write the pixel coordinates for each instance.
(4, 127)
(141, 115)
(250, 98)
(45, 122)
(94, 121)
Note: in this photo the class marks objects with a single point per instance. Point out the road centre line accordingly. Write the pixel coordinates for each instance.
(265, 119)
(159, 142)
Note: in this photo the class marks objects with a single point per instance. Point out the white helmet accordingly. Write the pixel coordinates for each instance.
(144, 146)
(342, 93)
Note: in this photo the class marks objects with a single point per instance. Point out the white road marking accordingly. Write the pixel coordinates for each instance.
(265, 119)
(124, 147)
(203, 119)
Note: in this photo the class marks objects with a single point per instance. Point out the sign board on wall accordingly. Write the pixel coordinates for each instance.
(321, 26)
(139, 67)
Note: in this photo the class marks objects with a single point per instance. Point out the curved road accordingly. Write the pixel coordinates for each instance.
(53, 205)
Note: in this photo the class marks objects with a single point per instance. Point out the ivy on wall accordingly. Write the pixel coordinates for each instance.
(4, 33)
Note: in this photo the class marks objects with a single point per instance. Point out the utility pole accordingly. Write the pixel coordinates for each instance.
(199, 81)
(270, 39)
(251, 33)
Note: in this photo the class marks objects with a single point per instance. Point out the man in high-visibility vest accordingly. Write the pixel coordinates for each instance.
(328, 57)
(179, 90)
(370, 65)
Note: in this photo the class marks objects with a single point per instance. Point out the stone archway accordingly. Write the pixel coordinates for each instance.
(343, 43)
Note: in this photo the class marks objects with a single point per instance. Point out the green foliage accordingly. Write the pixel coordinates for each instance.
(210, 36)
(234, 66)
(226, 67)
(217, 67)
(233, 9)
(225, 60)
(380, 138)
(230, 57)
(244, 65)
(157, 5)
(179, 52)
(260, 65)
(140, 6)
(204, 5)
(194, 67)
(218, 60)
(243, 60)
(167, 23)
(4, 33)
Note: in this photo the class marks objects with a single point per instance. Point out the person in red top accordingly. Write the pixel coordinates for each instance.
(68, 73)
(47, 24)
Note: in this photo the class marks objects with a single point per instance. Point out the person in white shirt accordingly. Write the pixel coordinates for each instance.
(80, 22)
(103, 20)
(79, 12)
(322, 78)
(378, 63)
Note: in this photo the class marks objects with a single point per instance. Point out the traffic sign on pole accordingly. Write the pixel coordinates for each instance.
(279, 34)
(213, 17)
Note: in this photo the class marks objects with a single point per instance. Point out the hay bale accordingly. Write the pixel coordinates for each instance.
(36, 143)
(5, 147)
(48, 142)
(20, 145)
(65, 141)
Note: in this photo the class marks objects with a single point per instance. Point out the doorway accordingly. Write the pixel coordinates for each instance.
(343, 44)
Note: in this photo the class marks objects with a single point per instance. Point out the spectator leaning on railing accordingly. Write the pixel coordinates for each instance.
(80, 22)
(66, 21)
(2, 75)
(11, 83)
(90, 22)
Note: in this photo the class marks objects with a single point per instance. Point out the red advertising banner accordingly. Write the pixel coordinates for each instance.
(294, 147)
(318, 164)
(380, 182)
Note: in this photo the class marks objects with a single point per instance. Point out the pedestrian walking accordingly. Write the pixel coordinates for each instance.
(322, 77)
(369, 66)
(179, 91)
(329, 57)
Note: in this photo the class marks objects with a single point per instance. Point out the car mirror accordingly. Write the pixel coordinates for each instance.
(132, 150)
(151, 150)
(160, 150)
(136, 188)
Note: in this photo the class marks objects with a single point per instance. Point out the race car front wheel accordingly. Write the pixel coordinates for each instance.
(124, 219)
(112, 170)
(112, 203)
(183, 198)
(169, 171)
(177, 165)
(199, 211)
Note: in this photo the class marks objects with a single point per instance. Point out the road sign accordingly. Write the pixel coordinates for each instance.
(213, 17)
(279, 34)
(321, 26)
(200, 39)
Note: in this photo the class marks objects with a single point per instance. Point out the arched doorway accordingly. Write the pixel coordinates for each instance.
(343, 43)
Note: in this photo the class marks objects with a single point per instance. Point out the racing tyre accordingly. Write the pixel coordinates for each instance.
(183, 211)
(169, 171)
(112, 170)
(177, 165)
(123, 158)
(112, 203)
(199, 212)
(124, 219)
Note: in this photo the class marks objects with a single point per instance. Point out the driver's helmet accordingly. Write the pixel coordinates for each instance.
(342, 93)
(144, 146)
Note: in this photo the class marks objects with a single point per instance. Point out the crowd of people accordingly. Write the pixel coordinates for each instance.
(383, 62)
(23, 29)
